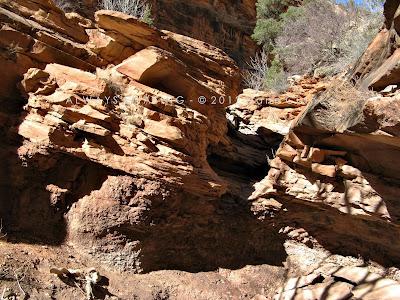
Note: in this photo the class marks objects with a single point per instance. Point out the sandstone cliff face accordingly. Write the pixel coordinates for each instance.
(225, 24)
(340, 159)
(105, 156)
(130, 149)
(379, 66)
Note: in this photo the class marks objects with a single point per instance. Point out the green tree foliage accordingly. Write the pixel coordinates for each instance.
(269, 21)
(147, 18)
(319, 36)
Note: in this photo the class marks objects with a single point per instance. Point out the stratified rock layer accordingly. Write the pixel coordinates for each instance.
(339, 161)
(131, 148)
(225, 24)
(120, 146)
(379, 66)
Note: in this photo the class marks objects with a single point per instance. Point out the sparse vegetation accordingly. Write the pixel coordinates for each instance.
(131, 112)
(68, 5)
(320, 36)
(137, 8)
(341, 105)
(10, 52)
(262, 76)
(2, 233)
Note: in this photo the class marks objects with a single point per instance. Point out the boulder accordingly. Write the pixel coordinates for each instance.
(385, 289)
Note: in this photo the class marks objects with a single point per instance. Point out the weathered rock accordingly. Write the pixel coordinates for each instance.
(341, 154)
(299, 282)
(355, 275)
(110, 163)
(224, 24)
(329, 290)
(270, 115)
(378, 67)
(36, 33)
(385, 289)
(203, 57)
(339, 282)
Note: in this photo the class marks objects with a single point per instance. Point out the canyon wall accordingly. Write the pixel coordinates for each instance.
(225, 24)
(135, 150)
(340, 157)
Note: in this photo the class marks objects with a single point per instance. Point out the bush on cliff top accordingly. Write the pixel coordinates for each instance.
(319, 36)
(137, 8)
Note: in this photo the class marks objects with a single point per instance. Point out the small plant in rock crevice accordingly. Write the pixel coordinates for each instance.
(263, 75)
(10, 51)
(68, 5)
(136, 8)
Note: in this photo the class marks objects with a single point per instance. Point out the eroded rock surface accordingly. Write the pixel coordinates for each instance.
(130, 149)
(225, 24)
(340, 158)
(379, 66)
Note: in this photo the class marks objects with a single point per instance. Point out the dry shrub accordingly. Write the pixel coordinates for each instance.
(340, 107)
(68, 5)
(131, 112)
(322, 34)
(254, 78)
(136, 8)
(3, 235)
(265, 75)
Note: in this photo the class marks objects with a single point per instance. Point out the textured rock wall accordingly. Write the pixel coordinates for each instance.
(339, 161)
(146, 182)
(379, 66)
(225, 24)
(126, 182)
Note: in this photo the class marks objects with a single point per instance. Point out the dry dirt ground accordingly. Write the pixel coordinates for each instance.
(31, 265)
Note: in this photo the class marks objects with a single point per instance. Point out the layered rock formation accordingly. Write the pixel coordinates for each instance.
(379, 67)
(135, 130)
(339, 161)
(113, 156)
(118, 153)
(225, 24)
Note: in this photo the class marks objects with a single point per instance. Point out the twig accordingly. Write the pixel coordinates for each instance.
(2, 235)
(77, 285)
(23, 292)
(2, 295)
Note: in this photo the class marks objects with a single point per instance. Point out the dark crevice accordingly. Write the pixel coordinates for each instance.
(249, 157)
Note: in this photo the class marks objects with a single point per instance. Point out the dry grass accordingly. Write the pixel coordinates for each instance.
(68, 5)
(136, 8)
(340, 107)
